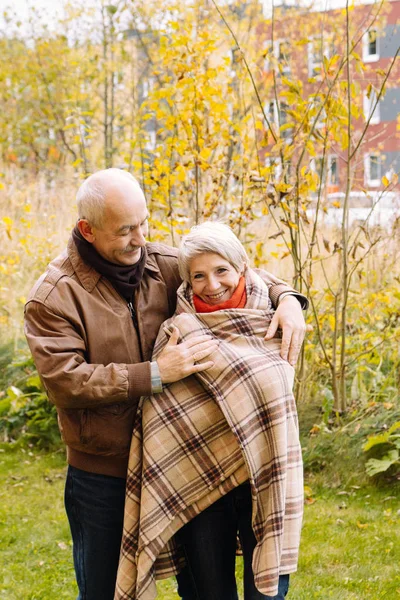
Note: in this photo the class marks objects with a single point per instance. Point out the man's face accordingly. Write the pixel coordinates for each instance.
(124, 227)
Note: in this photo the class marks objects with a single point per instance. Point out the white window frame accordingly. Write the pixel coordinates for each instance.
(147, 86)
(268, 51)
(152, 140)
(326, 50)
(276, 165)
(314, 167)
(367, 170)
(368, 106)
(285, 66)
(315, 102)
(312, 64)
(274, 119)
(367, 57)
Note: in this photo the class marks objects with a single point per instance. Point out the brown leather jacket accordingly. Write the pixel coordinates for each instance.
(92, 361)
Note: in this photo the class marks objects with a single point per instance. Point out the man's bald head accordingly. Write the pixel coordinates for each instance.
(102, 189)
(113, 215)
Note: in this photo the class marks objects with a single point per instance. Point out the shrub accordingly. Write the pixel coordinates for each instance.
(25, 412)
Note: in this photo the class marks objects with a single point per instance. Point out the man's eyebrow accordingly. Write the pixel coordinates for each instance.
(129, 226)
(123, 227)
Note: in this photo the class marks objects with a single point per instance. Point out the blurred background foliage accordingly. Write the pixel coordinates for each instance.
(178, 94)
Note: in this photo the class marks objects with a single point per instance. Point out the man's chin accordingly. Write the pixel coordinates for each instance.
(131, 258)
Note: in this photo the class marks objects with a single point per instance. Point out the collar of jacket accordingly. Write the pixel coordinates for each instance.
(88, 276)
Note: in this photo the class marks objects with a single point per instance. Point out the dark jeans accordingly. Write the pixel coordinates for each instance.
(95, 509)
(209, 543)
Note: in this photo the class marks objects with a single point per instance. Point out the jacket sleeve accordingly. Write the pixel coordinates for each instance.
(277, 287)
(69, 380)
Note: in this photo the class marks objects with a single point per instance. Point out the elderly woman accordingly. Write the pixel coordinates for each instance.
(216, 456)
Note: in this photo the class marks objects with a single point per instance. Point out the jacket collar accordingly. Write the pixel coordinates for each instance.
(88, 276)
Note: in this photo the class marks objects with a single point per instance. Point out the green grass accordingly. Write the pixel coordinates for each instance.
(349, 549)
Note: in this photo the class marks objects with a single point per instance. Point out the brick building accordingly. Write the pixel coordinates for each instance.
(298, 47)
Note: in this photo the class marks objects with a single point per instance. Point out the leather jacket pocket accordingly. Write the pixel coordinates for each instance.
(104, 431)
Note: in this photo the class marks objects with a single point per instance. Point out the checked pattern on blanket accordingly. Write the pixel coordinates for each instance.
(205, 435)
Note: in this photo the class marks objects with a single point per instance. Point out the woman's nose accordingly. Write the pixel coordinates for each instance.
(213, 283)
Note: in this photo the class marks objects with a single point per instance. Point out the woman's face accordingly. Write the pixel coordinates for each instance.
(213, 278)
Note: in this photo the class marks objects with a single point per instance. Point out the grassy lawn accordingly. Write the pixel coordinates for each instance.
(350, 545)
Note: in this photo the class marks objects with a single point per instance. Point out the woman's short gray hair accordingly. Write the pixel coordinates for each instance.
(92, 195)
(212, 238)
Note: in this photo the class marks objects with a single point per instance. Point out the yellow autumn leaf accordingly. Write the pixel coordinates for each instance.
(283, 187)
(332, 322)
(180, 173)
(385, 181)
(205, 153)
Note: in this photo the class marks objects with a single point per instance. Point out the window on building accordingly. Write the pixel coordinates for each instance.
(333, 170)
(327, 169)
(316, 113)
(315, 57)
(371, 107)
(286, 128)
(318, 165)
(282, 55)
(370, 46)
(147, 86)
(151, 140)
(276, 167)
(267, 55)
(280, 120)
(280, 51)
(319, 48)
(372, 169)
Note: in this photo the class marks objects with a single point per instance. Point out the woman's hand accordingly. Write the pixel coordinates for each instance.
(177, 361)
(289, 317)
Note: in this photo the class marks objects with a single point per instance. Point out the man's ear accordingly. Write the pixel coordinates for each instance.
(86, 230)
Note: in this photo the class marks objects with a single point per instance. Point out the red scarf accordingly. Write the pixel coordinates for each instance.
(237, 300)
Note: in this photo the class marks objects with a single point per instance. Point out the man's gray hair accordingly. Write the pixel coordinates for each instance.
(211, 237)
(92, 195)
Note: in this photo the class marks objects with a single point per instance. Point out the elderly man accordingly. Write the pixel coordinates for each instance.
(91, 321)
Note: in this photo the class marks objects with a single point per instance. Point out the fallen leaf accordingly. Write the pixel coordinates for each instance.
(62, 545)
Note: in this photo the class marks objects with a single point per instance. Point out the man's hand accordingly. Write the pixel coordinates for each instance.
(177, 361)
(289, 317)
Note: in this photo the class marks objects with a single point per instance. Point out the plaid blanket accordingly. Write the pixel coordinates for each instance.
(205, 435)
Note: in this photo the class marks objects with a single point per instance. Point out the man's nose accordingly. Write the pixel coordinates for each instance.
(137, 238)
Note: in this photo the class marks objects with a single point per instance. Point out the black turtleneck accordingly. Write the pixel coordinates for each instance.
(125, 279)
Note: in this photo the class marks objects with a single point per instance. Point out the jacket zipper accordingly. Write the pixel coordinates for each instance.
(133, 315)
